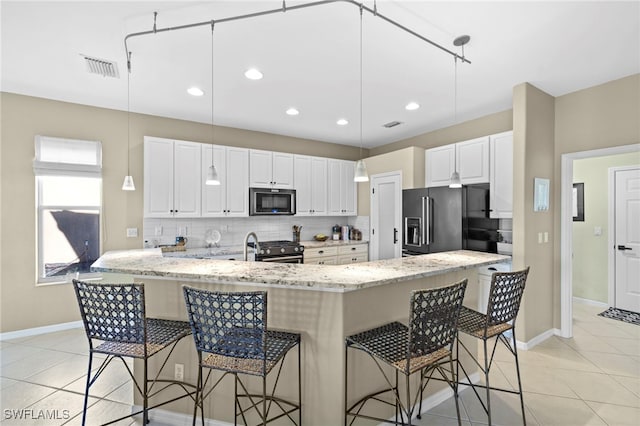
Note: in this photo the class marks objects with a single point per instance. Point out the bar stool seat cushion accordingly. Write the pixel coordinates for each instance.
(278, 344)
(160, 333)
(389, 343)
(474, 323)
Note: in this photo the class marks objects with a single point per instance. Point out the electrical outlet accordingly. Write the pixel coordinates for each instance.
(132, 232)
(158, 230)
(546, 237)
(539, 237)
(178, 372)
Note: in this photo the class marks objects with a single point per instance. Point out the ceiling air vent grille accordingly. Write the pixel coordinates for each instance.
(101, 67)
(392, 124)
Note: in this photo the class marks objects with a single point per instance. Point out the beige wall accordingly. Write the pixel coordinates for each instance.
(25, 305)
(483, 126)
(533, 126)
(599, 117)
(410, 161)
(590, 251)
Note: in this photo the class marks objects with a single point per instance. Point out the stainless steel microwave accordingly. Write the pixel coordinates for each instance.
(272, 201)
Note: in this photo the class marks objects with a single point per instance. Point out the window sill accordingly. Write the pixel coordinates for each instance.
(45, 282)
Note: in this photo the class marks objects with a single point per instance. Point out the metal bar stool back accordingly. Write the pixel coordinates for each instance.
(505, 296)
(425, 346)
(230, 334)
(116, 325)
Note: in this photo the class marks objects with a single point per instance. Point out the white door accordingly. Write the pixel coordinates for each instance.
(386, 216)
(627, 239)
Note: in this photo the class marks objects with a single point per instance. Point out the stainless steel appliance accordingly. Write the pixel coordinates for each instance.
(280, 251)
(272, 201)
(443, 219)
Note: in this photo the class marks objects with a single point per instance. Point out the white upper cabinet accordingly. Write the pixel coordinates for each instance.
(501, 175)
(439, 165)
(472, 160)
(172, 178)
(469, 158)
(270, 169)
(310, 177)
(230, 198)
(342, 189)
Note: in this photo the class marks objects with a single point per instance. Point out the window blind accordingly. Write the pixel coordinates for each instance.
(69, 157)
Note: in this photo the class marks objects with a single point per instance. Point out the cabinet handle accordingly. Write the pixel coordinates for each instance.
(353, 248)
(321, 251)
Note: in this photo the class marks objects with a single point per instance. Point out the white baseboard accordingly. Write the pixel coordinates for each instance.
(590, 302)
(525, 346)
(40, 330)
(162, 417)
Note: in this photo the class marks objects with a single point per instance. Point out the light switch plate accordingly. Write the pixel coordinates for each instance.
(132, 232)
(158, 231)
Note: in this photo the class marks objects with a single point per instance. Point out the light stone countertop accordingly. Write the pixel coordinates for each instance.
(337, 278)
(331, 243)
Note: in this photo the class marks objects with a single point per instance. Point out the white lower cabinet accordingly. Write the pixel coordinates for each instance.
(321, 256)
(484, 283)
(231, 197)
(337, 255)
(353, 254)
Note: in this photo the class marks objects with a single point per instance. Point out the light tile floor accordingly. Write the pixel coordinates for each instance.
(590, 379)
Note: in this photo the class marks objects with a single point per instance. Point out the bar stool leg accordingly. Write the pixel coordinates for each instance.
(264, 399)
(86, 389)
(486, 375)
(515, 353)
(455, 388)
(346, 378)
(299, 385)
(145, 398)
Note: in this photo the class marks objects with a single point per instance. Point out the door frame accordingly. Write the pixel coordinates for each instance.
(374, 248)
(566, 228)
(611, 281)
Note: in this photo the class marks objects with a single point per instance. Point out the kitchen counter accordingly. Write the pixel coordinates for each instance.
(323, 303)
(339, 278)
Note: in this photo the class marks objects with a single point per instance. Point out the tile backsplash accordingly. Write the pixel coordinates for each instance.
(233, 230)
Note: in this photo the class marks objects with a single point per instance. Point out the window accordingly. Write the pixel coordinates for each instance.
(69, 203)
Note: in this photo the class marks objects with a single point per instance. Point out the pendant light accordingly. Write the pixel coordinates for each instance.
(212, 173)
(361, 174)
(127, 184)
(455, 181)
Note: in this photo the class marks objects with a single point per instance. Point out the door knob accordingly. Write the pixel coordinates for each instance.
(395, 235)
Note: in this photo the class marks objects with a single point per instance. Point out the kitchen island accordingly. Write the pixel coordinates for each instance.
(325, 303)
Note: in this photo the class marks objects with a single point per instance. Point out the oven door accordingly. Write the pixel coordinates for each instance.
(282, 259)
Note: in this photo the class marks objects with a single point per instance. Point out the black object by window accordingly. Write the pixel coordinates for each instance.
(578, 202)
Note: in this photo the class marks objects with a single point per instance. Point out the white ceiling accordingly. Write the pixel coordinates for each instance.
(310, 60)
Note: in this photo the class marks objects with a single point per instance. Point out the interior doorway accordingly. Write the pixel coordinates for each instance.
(386, 216)
(566, 224)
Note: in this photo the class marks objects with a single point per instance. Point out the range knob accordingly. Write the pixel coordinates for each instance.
(268, 251)
(295, 249)
(282, 250)
(261, 251)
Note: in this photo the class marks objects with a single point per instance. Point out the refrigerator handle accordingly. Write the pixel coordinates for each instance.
(395, 235)
(426, 221)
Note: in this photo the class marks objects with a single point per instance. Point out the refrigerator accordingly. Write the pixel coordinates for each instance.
(443, 219)
(432, 220)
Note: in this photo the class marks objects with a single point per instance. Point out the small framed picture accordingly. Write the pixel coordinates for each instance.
(578, 202)
(540, 195)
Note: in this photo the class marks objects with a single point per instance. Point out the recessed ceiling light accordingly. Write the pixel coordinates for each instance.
(253, 74)
(293, 111)
(342, 122)
(195, 91)
(411, 106)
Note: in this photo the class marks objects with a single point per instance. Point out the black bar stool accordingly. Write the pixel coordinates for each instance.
(425, 346)
(114, 315)
(505, 296)
(231, 335)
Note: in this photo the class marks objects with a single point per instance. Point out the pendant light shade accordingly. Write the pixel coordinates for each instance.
(455, 180)
(361, 174)
(128, 184)
(212, 176)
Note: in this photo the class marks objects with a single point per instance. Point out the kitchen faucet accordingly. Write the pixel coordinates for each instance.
(246, 241)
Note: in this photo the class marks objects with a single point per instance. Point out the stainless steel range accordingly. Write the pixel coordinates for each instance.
(280, 251)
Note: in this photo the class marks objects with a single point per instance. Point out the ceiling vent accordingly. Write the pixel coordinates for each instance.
(392, 124)
(101, 67)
